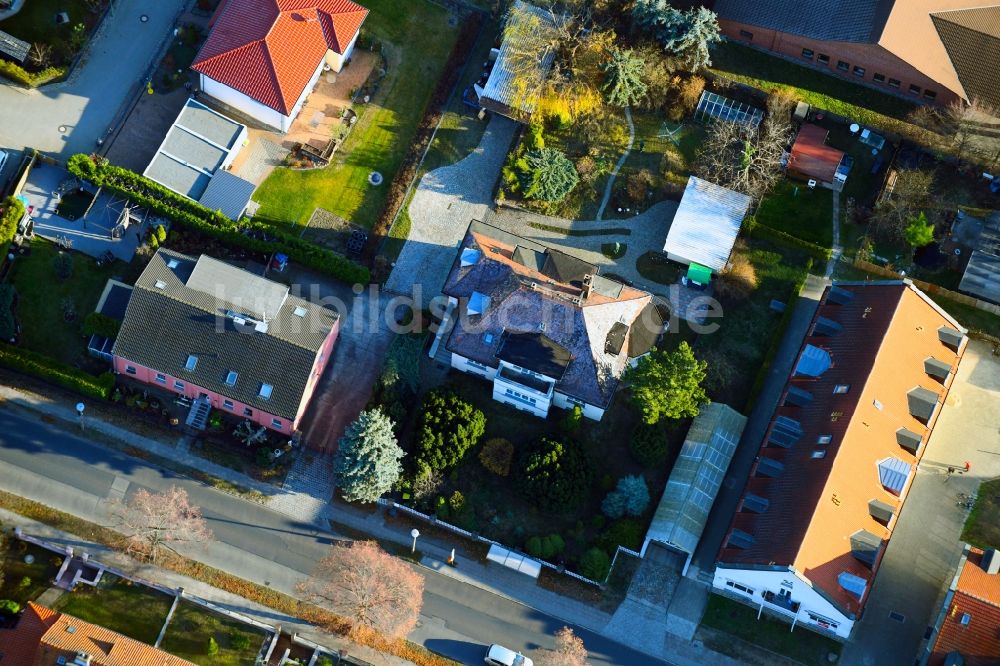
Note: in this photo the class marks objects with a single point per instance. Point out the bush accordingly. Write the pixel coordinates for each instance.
(631, 497)
(238, 640)
(496, 455)
(587, 169)
(9, 607)
(573, 419)
(595, 564)
(549, 176)
(212, 648)
(13, 211)
(99, 324)
(160, 233)
(649, 445)
(48, 369)
(8, 328)
(739, 279)
(533, 138)
(627, 532)
(449, 427)
(555, 475)
(18, 74)
(545, 547)
(249, 234)
(456, 502)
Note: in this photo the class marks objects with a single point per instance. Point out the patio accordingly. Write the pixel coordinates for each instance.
(93, 233)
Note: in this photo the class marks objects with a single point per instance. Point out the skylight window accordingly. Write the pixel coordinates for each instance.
(841, 388)
(160, 284)
(265, 391)
(299, 311)
(824, 439)
(173, 263)
(231, 378)
(191, 363)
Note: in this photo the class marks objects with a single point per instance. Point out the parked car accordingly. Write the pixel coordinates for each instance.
(498, 655)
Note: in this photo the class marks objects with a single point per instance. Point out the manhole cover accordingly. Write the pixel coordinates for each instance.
(374, 178)
(62, 129)
(144, 18)
(898, 617)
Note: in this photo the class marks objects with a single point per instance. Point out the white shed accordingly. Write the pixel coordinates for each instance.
(706, 225)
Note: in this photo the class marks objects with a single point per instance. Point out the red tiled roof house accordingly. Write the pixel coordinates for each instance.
(967, 630)
(263, 57)
(839, 455)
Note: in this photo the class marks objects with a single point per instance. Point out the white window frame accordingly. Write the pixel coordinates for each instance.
(277, 423)
(161, 378)
(228, 404)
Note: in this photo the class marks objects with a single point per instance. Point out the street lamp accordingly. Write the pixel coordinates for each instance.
(414, 533)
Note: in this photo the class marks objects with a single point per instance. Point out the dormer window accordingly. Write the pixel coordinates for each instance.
(265, 391)
(191, 363)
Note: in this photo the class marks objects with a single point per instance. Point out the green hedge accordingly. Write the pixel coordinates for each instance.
(764, 232)
(255, 236)
(45, 368)
(11, 212)
(18, 74)
(100, 324)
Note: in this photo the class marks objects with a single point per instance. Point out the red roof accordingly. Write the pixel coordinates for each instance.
(269, 49)
(977, 595)
(811, 157)
(19, 644)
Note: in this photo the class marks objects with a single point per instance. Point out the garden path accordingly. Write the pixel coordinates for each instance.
(838, 249)
(619, 165)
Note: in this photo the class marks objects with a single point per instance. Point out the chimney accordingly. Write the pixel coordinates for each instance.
(991, 561)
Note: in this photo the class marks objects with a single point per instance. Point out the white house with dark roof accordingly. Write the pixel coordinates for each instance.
(540, 324)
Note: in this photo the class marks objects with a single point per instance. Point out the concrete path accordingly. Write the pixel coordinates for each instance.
(618, 166)
(739, 469)
(446, 200)
(920, 560)
(86, 105)
(838, 250)
(648, 231)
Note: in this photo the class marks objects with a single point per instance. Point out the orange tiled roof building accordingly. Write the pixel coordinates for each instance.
(968, 629)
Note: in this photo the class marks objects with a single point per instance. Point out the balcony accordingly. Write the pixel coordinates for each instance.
(782, 601)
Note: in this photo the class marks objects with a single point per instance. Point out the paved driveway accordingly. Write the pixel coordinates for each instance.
(446, 200)
(87, 103)
(920, 560)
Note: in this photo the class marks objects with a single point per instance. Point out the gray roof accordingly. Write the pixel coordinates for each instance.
(176, 310)
(972, 37)
(499, 93)
(833, 20)
(14, 48)
(697, 476)
(982, 274)
(706, 224)
(228, 193)
(524, 300)
(195, 147)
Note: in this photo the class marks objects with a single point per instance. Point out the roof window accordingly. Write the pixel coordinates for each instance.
(299, 311)
(785, 432)
(265, 391)
(231, 377)
(841, 388)
(191, 363)
(818, 453)
(824, 439)
(173, 263)
(160, 284)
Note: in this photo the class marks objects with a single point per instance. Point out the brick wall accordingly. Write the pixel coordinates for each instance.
(871, 57)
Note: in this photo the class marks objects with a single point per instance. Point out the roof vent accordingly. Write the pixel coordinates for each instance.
(839, 296)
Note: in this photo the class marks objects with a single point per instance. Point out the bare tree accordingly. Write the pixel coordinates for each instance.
(368, 585)
(909, 193)
(250, 434)
(151, 521)
(40, 54)
(569, 651)
(742, 157)
(967, 129)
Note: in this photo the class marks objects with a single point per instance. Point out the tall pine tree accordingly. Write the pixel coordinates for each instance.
(624, 73)
(367, 461)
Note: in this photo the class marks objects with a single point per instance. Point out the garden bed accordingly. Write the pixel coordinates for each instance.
(120, 605)
(192, 628)
(60, 43)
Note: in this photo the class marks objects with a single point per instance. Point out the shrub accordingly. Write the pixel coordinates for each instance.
(161, 233)
(545, 547)
(46, 368)
(649, 445)
(24, 583)
(99, 324)
(595, 564)
(8, 329)
(18, 74)
(573, 419)
(449, 427)
(549, 176)
(687, 92)
(13, 211)
(631, 497)
(456, 502)
(250, 234)
(62, 264)
(739, 279)
(638, 185)
(496, 455)
(627, 532)
(238, 640)
(587, 169)
(212, 648)
(555, 475)
(533, 138)
(9, 607)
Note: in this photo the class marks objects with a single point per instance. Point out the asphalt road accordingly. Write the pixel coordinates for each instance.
(459, 619)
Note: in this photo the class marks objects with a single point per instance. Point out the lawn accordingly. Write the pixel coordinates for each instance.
(35, 22)
(42, 297)
(656, 267)
(117, 604)
(982, 528)
(733, 618)
(418, 40)
(736, 352)
(795, 209)
(23, 582)
(191, 627)
(766, 72)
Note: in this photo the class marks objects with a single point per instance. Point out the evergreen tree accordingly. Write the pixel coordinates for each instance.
(624, 72)
(367, 461)
(668, 384)
(685, 34)
(919, 232)
(550, 175)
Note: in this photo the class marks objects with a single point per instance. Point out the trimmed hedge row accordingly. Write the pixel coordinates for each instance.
(764, 232)
(45, 368)
(255, 236)
(18, 74)
(432, 116)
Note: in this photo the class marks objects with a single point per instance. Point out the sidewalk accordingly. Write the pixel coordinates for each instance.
(196, 588)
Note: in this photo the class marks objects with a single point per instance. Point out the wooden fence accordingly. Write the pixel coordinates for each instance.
(930, 288)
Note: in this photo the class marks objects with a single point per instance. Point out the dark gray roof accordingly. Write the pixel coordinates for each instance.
(14, 48)
(982, 276)
(972, 39)
(177, 176)
(228, 193)
(206, 123)
(833, 20)
(169, 319)
(536, 352)
(115, 302)
(566, 268)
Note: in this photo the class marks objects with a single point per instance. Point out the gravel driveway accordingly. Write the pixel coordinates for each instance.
(446, 200)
